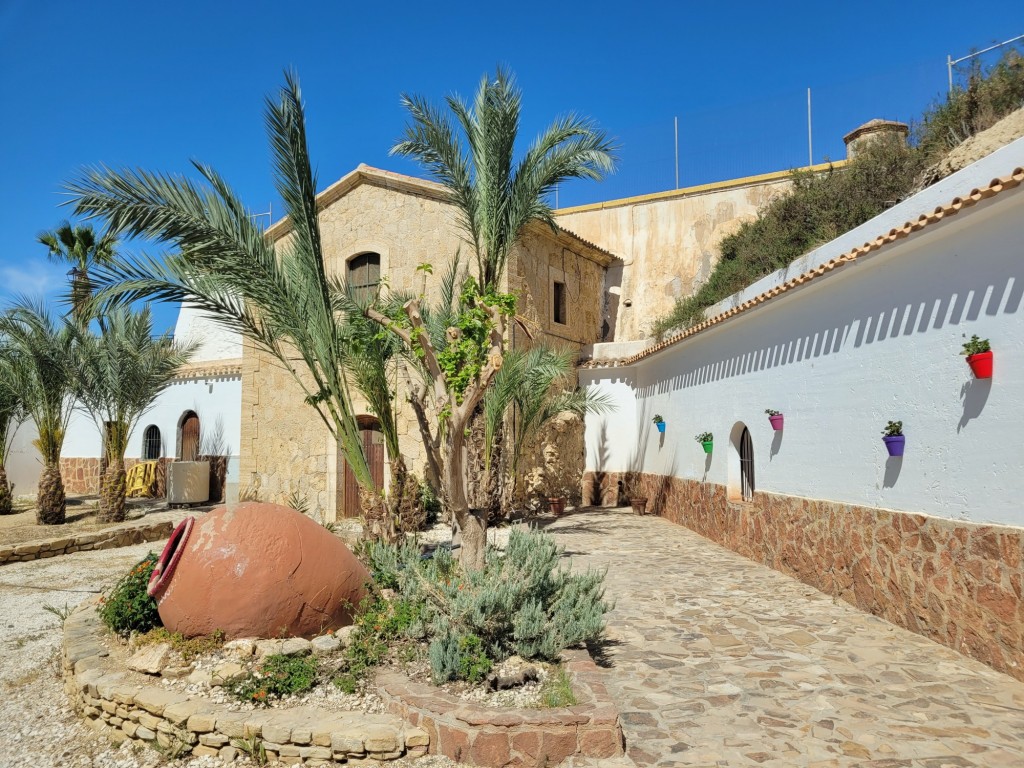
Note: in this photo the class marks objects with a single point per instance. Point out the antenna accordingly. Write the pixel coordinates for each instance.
(269, 213)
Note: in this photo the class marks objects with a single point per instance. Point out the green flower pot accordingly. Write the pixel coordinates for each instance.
(708, 445)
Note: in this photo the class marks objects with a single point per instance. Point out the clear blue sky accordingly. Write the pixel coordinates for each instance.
(155, 84)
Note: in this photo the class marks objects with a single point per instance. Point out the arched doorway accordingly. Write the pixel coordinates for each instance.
(188, 442)
(373, 449)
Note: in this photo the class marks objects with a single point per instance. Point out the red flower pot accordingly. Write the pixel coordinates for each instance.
(981, 365)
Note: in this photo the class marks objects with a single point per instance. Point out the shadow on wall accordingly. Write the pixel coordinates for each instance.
(881, 303)
(975, 394)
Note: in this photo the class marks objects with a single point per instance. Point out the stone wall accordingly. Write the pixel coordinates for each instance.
(669, 241)
(108, 538)
(960, 584)
(516, 738)
(151, 715)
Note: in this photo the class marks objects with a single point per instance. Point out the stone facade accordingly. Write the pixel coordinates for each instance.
(960, 584)
(669, 242)
(285, 447)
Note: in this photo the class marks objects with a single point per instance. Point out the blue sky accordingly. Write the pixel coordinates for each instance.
(154, 85)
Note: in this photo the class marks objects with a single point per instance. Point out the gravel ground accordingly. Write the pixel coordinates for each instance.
(37, 725)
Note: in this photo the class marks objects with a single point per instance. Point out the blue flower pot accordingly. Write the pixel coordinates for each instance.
(661, 426)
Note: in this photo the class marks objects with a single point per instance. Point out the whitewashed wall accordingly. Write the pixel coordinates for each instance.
(217, 401)
(876, 340)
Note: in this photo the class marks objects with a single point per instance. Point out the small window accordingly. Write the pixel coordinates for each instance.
(364, 276)
(558, 305)
(151, 445)
(747, 465)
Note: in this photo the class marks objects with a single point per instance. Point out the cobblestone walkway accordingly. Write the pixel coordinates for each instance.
(718, 661)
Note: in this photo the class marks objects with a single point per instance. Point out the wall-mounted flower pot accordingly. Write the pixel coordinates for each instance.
(556, 504)
(639, 505)
(894, 444)
(708, 444)
(776, 421)
(981, 365)
(661, 426)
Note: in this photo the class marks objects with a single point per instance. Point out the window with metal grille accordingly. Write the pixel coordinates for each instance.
(747, 465)
(152, 447)
(559, 310)
(364, 275)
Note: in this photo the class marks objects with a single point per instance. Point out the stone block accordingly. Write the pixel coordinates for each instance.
(346, 743)
(276, 731)
(204, 751)
(416, 737)
(318, 753)
(296, 646)
(129, 728)
(154, 700)
(213, 740)
(145, 734)
(228, 754)
(325, 644)
(178, 713)
(149, 721)
(202, 722)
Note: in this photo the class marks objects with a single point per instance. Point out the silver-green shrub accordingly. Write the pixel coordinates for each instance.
(522, 603)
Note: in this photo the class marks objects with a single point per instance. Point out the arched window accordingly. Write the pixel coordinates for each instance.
(747, 465)
(364, 275)
(152, 447)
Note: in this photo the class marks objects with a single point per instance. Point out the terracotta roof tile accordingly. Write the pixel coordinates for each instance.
(1014, 179)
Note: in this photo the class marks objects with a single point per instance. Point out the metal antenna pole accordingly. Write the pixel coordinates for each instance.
(950, 61)
(810, 146)
(676, 119)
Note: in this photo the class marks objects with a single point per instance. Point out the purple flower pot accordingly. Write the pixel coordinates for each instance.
(776, 422)
(895, 444)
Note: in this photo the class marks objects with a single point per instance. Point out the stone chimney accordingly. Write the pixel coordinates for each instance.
(871, 131)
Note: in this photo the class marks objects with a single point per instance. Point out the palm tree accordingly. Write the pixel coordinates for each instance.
(496, 197)
(12, 415)
(278, 297)
(47, 359)
(533, 387)
(82, 249)
(122, 372)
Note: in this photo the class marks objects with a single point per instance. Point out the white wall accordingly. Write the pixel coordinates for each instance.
(876, 340)
(215, 343)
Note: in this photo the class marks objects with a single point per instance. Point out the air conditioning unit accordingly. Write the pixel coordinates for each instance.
(188, 482)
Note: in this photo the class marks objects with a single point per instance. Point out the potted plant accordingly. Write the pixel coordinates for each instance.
(979, 357)
(707, 440)
(659, 422)
(631, 490)
(894, 438)
(556, 504)
(775, 417)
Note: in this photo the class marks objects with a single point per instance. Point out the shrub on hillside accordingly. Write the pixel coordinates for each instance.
(129, 608)
(820, 207)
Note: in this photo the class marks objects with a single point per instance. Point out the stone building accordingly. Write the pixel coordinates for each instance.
(374, 225)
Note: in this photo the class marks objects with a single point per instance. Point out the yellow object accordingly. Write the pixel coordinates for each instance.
(142, 479)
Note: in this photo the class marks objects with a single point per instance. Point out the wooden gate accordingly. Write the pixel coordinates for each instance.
(189, 437)
(373, 449)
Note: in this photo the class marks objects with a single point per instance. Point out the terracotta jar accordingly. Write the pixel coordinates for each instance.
(256, 570)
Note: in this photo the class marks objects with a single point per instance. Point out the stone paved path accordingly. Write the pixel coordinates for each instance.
(719, 661)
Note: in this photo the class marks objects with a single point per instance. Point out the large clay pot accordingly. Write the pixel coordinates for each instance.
(256, 570)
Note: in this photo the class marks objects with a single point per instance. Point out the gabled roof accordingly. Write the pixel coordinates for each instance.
(957, 204)
(410, 185)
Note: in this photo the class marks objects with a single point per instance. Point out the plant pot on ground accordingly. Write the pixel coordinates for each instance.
(556, 505)
(706, 439)
(893, 437)
(776, 419)
(979, 357)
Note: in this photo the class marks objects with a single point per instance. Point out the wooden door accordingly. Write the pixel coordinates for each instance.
(189, 437)
(373, 449)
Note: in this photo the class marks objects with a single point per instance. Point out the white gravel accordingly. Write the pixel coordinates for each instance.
(37, 726)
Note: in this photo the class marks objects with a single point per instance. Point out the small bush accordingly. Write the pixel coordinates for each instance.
(129, 608)
(277, 676)
(557, 691)
(189, 648)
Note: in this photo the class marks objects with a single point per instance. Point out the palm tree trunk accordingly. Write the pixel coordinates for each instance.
(51, 503)
(6, 498)
(379, 524)
(113, 491)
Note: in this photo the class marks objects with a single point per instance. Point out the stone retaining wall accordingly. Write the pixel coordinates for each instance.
(480, 735)
(103, 693)
(108, 538)
(960, 584)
